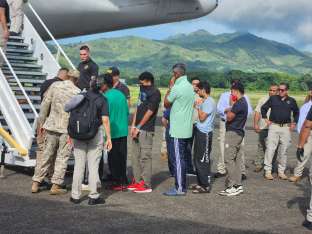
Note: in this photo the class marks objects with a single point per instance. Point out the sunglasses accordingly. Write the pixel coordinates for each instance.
(282, 90)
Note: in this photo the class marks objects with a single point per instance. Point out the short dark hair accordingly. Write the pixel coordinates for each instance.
(195, 78)
(238, 86)
(64, 69)
(85, 47)
(273, 84)
(234, 81)
(181, 67)
(285, 84)
(104, 79)
(205, 86)
(147, 76)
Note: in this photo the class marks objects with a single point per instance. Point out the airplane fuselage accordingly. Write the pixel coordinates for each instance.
(67, 18)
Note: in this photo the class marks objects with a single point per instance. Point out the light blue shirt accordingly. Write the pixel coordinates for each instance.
(224, 103)
(304, 110)
(209, 107)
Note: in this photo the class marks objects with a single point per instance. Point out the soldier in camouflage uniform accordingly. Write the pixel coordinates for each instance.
(54, 122)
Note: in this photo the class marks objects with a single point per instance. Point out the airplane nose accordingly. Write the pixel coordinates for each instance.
(208, 6)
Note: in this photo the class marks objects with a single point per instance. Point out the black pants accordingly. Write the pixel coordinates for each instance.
(117, 160)
(202, 151)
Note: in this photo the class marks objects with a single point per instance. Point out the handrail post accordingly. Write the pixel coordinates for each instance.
(51, 36)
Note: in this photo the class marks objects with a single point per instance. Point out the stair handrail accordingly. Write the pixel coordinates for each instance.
(19, 84)
(51, 36)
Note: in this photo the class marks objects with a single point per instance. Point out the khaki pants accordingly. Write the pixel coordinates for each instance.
(307, 155)
(277, 137)
(221, 165)
(262, 145)
(41, 143)
(142, 157)
(16, 15)
(233, 159)
(89, 152)
(56, 144)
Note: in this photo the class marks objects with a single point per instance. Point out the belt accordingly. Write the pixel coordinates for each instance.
(282, 125)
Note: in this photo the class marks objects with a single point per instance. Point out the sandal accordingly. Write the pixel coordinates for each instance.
(200, 190)
(193, 186)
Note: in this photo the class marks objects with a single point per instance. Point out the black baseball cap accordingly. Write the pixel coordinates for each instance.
(238, 86)
(114, 71)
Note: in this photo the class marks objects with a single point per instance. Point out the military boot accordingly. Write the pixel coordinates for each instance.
(57, 190)
(35, 187)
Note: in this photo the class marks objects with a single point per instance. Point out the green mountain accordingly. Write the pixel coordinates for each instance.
(200, 50)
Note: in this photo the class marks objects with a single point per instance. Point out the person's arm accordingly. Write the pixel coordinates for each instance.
(264, 110)
(304, 133)
(257, 116)
(106, 124)
(132, 131)
(296, 112)
(3, 22)
(206, 110)
(164, 122)
(167, 103)
(45, 110)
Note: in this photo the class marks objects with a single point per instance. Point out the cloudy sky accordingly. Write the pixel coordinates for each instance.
(288, 21)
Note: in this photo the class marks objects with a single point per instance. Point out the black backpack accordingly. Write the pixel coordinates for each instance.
(83, 121)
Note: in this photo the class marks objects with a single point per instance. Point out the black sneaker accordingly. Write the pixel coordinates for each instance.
(97, 201)
(75, 201)
(244, 177)
(307, 224)
(219, 175)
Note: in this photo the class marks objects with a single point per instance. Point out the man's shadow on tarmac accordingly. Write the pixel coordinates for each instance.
(303, 200)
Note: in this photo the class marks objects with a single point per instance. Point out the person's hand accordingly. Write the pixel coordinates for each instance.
(40, 130)
(292, 126)
(227, 110)
(135, 133)
(132, 131)
(108, 145)
(257, 128)
(171, 82)
(199, 101)
(300, 154)
(268, 122)
(6, 35)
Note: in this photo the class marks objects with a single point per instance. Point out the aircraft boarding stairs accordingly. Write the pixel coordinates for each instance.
(28, 62)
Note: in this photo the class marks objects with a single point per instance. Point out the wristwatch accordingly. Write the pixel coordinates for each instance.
(138, 127)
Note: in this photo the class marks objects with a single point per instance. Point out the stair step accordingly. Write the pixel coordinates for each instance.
(21, 58)
(27, 106)
(28, 116)
(23, 65)
(19, 51)
(16, 38)
(23, 73)
(33, 98)
(30, 81)
(17, 44)
(27, 89)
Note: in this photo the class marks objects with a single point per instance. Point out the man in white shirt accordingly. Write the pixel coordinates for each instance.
(304, 110)
(224, 104)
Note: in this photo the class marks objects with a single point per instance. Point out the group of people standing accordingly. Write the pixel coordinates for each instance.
(85, 113)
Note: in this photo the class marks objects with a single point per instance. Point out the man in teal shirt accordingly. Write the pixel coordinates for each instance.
(180, 97)
(118, 113)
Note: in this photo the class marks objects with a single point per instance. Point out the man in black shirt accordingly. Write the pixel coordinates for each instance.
(304, 135)
(61, 75)
(142, 133)
(280, 127)
(4, 20)
(88, 68)
(235, 124)
(114, 71)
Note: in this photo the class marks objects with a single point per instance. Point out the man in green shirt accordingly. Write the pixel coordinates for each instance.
(180, 97)
(118, 115)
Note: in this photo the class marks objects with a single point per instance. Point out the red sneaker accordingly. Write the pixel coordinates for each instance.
(143, 189)
(118, 187)
(134, 186)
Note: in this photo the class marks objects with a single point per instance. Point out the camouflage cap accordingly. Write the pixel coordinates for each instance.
(74, 73)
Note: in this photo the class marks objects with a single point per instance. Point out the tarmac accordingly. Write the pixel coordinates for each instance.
(264, 207)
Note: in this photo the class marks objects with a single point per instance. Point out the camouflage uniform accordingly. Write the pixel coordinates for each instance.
(55, 121)
(16, 14)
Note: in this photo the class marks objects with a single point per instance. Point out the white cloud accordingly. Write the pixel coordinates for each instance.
(292, 17)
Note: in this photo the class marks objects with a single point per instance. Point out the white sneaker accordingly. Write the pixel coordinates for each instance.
(230, 191)
(85, 187)
(239, 188)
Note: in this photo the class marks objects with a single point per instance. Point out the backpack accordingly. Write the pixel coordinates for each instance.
(83, 121)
